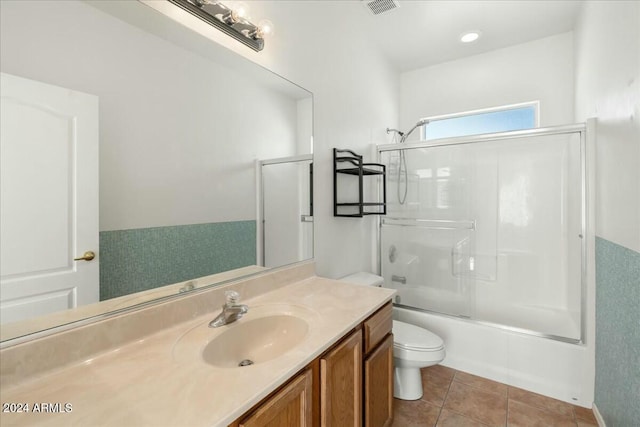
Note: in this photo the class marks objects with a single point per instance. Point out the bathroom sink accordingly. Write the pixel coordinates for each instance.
(255, 341)
(265, 333)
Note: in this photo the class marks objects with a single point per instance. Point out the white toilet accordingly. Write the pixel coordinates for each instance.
(413, 348)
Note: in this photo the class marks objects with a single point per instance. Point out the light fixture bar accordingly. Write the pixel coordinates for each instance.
(214, 12)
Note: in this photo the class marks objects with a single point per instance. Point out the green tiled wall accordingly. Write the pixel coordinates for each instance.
(145, 258)
(617, 391)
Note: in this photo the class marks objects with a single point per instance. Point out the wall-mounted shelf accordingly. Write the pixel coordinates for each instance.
(346, 162)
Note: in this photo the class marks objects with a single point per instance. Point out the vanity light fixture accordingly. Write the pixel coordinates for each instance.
(470, 36)
(232, 21)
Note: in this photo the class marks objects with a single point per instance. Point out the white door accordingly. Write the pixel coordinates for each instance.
(49, 198)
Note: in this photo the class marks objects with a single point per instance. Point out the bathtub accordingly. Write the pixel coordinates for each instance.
(553, 368)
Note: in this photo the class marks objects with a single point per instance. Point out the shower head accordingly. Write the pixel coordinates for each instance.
(420, 123)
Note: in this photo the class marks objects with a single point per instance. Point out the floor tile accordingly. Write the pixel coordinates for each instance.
(540, 401)
(414, 413)
(523, 415)
(486, 407)
(435, 388)
(480, 383)
(439, 371)
(459, 399)
(585, 414)
(453, 419)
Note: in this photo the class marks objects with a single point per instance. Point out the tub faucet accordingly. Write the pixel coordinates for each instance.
(231, 310)
(399, 279)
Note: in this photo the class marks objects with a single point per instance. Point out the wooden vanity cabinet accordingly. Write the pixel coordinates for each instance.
(350, 385)
(289, 406)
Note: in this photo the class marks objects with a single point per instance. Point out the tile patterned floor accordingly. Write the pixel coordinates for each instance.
(457, 399)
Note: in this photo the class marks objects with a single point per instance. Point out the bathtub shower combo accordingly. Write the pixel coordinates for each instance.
(492, 229)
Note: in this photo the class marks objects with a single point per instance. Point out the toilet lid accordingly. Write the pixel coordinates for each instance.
(414, 337)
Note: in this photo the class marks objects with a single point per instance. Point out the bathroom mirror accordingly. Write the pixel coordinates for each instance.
(182, 125)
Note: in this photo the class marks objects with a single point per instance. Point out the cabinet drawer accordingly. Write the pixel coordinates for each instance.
(377, 327)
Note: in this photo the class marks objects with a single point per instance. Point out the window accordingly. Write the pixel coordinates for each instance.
(501, 119)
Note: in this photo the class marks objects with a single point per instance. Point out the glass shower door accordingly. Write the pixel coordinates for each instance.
(490, 230)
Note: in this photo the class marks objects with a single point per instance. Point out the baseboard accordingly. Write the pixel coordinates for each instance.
(599, 418)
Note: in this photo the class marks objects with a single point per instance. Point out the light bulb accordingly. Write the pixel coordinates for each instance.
(240, 10)
(265, 28)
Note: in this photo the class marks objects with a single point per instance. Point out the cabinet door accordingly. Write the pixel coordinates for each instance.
(341, 384)
(290, 407)
(378, 385)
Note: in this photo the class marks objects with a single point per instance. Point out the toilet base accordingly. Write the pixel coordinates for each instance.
(407, 383)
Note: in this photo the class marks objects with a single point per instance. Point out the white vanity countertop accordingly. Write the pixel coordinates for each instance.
(157, 382)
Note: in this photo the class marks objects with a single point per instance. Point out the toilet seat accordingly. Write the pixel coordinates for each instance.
(415, 338)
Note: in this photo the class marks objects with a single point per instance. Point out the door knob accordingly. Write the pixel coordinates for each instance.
(87, 256)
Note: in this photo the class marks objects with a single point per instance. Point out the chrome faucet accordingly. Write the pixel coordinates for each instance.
(231, 310)
(399, 279)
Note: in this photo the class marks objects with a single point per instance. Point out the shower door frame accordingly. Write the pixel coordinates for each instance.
(586, 133)
(260, 208)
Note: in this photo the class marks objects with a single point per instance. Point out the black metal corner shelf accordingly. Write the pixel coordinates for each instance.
(349, 163)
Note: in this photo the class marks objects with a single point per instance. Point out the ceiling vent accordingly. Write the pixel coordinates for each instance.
(378, 7)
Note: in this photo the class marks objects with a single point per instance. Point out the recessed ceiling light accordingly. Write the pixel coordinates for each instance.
(470, 36)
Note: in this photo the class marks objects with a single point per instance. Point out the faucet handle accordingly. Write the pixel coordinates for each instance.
(232, 297)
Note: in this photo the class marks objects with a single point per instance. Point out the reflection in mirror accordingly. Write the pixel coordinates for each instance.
(286, 210)
(113, 99)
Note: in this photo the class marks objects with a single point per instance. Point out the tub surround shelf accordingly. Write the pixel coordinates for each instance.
(145, 383)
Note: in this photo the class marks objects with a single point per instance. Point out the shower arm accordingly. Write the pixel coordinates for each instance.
(403, 137)
(389, 130)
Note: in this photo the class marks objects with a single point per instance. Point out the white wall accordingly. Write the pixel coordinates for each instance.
(539, 70)
(179, 133)
(608, 88)
(304, 137)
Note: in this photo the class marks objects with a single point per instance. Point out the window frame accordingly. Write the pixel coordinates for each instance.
(534, 104)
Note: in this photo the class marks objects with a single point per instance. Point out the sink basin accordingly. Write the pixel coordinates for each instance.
(254, 341)
(265, 333)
